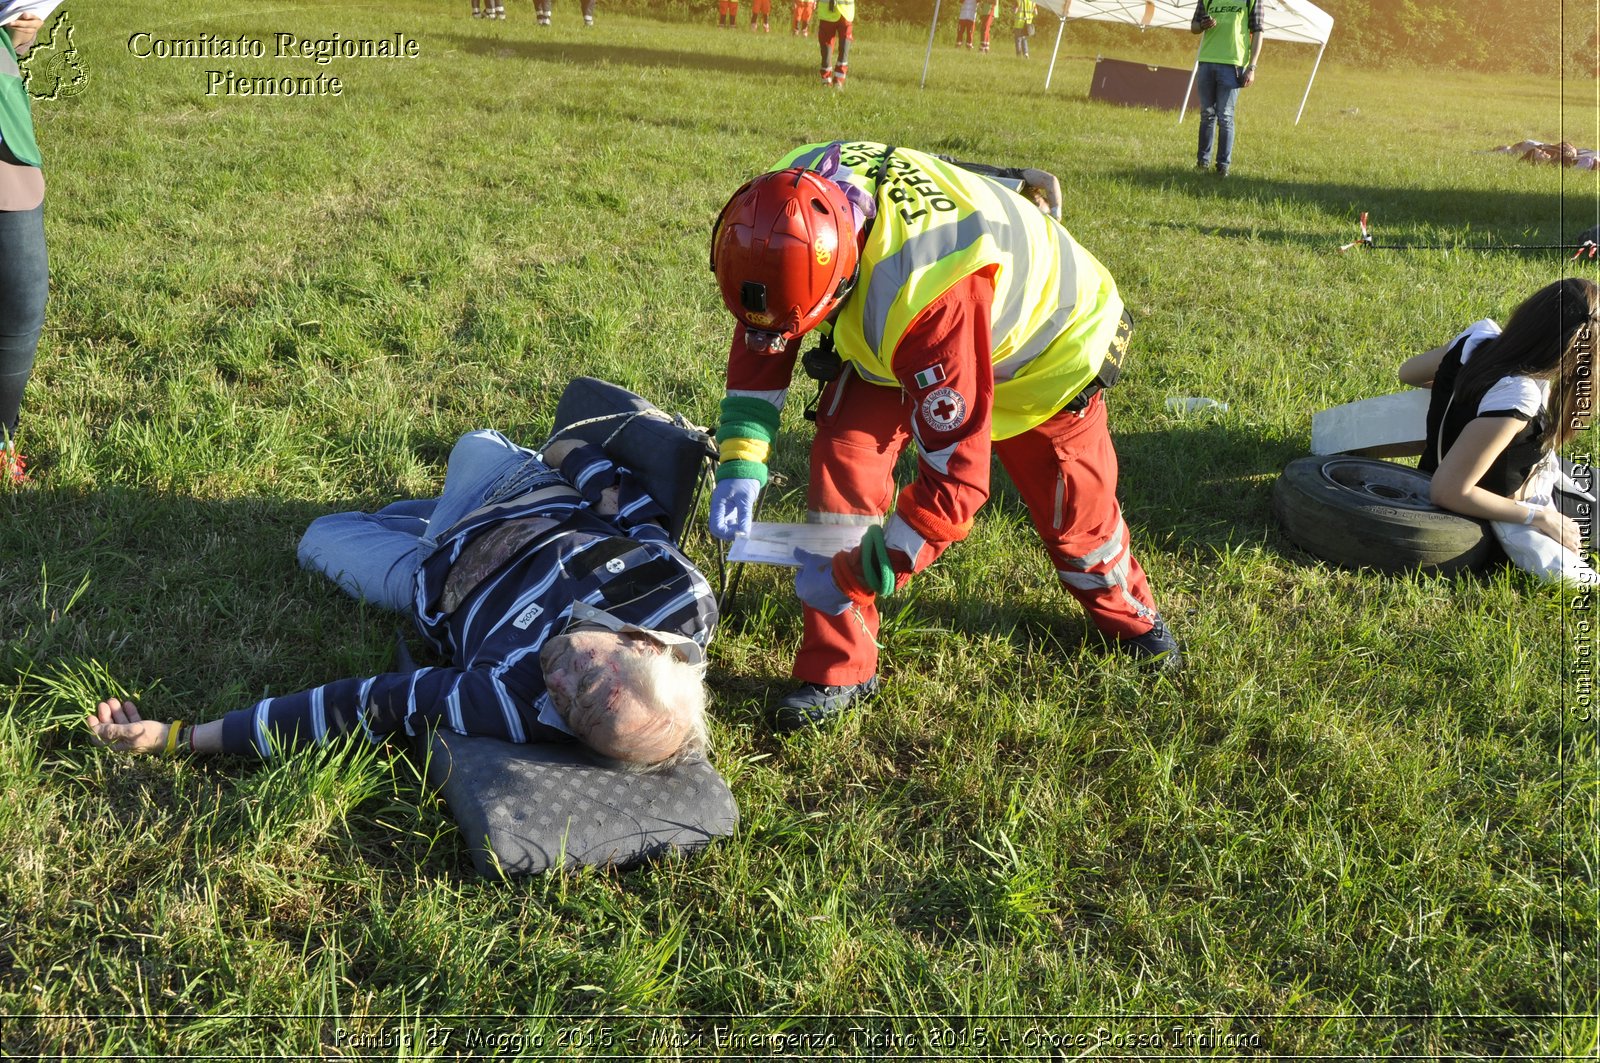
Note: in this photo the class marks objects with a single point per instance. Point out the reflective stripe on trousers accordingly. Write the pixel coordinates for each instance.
(1066, 472)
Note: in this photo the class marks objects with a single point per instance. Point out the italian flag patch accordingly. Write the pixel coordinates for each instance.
(929, 377)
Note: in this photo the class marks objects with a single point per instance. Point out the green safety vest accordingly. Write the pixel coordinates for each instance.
(1055, 308)
(1228, 42)
(16, 113)
(833, 10)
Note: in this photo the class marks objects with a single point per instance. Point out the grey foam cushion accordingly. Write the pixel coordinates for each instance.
(524, 809)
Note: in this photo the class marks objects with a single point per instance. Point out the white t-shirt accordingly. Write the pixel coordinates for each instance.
(1518, 394)
(1514, 394)
(969, 10)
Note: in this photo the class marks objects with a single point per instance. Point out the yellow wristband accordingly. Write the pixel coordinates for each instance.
(174, 732)
(744, 450)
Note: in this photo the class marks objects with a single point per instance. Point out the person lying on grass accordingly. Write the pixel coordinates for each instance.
(548, 581)
(1502, 402)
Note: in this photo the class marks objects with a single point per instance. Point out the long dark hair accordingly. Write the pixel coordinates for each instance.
(1550, 336)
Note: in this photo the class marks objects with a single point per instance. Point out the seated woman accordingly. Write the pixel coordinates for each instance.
(1503, 402)
(548, 581)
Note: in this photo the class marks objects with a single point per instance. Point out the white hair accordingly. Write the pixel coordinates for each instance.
(675, 693)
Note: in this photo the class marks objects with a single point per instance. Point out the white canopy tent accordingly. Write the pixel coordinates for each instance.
(1296, 21)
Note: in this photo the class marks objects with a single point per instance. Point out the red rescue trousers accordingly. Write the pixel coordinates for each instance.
(1065, 471)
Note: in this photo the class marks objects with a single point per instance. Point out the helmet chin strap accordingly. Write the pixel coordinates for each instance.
(846, 286)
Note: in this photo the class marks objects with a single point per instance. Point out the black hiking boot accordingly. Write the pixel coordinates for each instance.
(814, 704)
(1157, 646)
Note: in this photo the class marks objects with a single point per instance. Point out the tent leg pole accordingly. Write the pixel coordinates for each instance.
(1193, 73)
(1061, 27)
(928, 56)
(1309, 80)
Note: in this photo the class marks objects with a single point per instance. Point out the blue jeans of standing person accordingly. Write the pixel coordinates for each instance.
(1219, 85)
(373, 557)
(24, 287)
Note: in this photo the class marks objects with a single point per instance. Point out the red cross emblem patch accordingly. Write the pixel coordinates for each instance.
(944, 410)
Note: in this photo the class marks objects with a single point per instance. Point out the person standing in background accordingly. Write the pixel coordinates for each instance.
(967, 21)
(804, 10)
(1228, 52)
(836, 19)
(989, 9)
(24, 268)
(1022, 24)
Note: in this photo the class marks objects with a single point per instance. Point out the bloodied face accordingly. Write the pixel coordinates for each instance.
(614, 690)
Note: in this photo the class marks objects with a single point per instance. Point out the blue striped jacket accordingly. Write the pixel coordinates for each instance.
(493, 684)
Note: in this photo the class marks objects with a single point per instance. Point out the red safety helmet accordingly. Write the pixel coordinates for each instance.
(784, 252)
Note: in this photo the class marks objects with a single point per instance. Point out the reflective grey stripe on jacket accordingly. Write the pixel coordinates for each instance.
(928, 248)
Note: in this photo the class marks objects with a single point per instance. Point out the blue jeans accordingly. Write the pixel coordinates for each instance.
(374, 557)
(24, 287)
(1219, 85)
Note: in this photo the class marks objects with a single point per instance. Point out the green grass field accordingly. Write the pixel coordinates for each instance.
(1362, 822)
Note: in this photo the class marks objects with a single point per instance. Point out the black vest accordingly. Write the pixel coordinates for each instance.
(1446, 419)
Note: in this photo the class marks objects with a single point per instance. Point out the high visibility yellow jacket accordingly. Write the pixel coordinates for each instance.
(16, 114)
(1055, 309)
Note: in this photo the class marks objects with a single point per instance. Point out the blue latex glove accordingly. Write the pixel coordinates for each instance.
(733, 506)
(814, 584)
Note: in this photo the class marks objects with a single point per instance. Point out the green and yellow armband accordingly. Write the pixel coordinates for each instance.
(744, 438)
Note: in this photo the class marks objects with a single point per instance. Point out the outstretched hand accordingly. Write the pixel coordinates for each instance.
(814, 583)
(1560, 527)
(1046, 190)
(733, 507)
(117, 724)
(24, 30)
